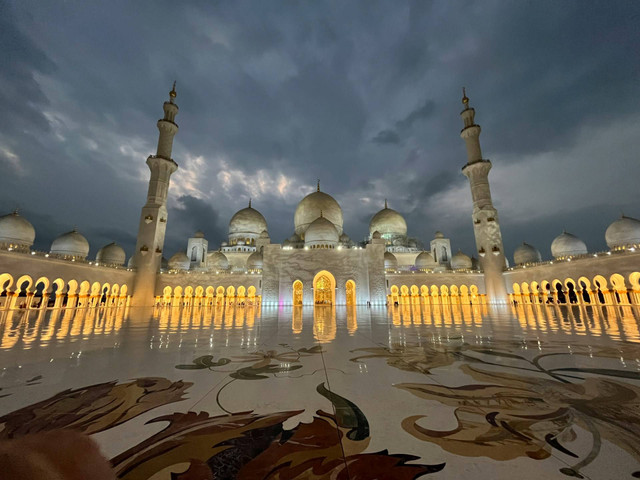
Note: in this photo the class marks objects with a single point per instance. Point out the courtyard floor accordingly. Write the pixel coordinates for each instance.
(454, 392)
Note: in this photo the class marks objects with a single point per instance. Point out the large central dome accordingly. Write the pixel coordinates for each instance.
(310, 208)
(388, 222)
(247, 221)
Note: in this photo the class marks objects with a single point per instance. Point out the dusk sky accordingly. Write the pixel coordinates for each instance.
(363, 95)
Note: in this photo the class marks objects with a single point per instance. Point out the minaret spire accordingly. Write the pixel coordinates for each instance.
(318, 185)
(153, 218)
(385, 203)
(486, 225)
(249, 202)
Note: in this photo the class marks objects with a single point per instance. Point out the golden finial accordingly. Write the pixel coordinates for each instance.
(318, 185)
(465, 100)
(249, 202)
(173, 93)
(385, 203)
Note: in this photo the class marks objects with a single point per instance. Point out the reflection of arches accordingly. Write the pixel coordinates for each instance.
(351, 292)
(297, 293)
(324, 288)
(404, 294)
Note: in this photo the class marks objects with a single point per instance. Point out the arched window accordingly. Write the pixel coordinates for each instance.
(444, 254)
(194, 254)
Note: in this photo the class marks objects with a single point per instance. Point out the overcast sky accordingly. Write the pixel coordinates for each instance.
(363, 95)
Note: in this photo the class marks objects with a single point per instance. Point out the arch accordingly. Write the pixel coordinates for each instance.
(231, 291)
(350, 287)
(324, 288)
(242, 291)
(210, 291)
(297, 293)
(393, 297)
(620, 289)
(634, 280)
(571, 290)
(199, 291)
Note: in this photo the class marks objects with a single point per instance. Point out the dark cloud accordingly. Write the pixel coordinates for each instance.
(189, 215)
(273, 95)
(387, 136)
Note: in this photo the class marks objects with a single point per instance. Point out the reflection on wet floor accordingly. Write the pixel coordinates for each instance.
(39, 328)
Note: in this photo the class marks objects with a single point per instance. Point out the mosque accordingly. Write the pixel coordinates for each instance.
(319, 264)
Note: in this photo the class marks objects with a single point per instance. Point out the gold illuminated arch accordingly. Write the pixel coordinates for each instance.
(351, 292)
(297, 293)
(324, 288)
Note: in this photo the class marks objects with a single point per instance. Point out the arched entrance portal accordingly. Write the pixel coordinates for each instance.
(351, 292)
(324, 288)
(297, 293)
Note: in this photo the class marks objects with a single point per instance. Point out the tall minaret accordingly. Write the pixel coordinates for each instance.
(486, 225)
(153, 219)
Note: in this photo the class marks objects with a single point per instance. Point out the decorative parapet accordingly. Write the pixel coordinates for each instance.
(65, 258)
(570, 258)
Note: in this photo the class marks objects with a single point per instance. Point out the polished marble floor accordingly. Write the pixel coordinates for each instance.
(404, 392)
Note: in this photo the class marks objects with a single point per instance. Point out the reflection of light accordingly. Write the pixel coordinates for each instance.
(324, 323)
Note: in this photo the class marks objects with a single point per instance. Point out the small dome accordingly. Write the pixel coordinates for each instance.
(217, 260)
(526, 253)
(264, 234)
(247, 221)
(255, 260)
(198, 234)
(460, 261)
(344, 239)
(388, 222)
(294, 238)
(112, 254)
(390, 260)
(425, 260)
(623, 232)
(16, 230)
(131, 263)
(179, 261)
(439, 234)
(376, 235)
(566, 244)
(312, 206)
(321, 232)
(70, 244)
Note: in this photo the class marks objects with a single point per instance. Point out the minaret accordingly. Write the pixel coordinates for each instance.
(153, 219)
(486, 225)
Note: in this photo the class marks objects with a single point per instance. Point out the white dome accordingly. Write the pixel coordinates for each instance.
(438, 234)
(217, 260)
(70, 244)
(624, 231)
(247, 221)
(321, 232)
(376, 235)
(180, 261)
(198, 234)
(112, 254)
(390, 260)
(16, 230)
(526, 253)
(131, 263)
(310, 208)
(388, 222)
(255, 260)
(566, 244)
(460, 261)
(425, 260)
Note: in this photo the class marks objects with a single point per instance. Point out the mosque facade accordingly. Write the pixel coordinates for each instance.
(319, 264)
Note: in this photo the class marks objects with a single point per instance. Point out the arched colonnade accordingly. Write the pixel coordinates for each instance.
(616, 290)
(27, 293)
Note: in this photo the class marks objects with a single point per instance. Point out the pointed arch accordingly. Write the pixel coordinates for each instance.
(324, 288)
